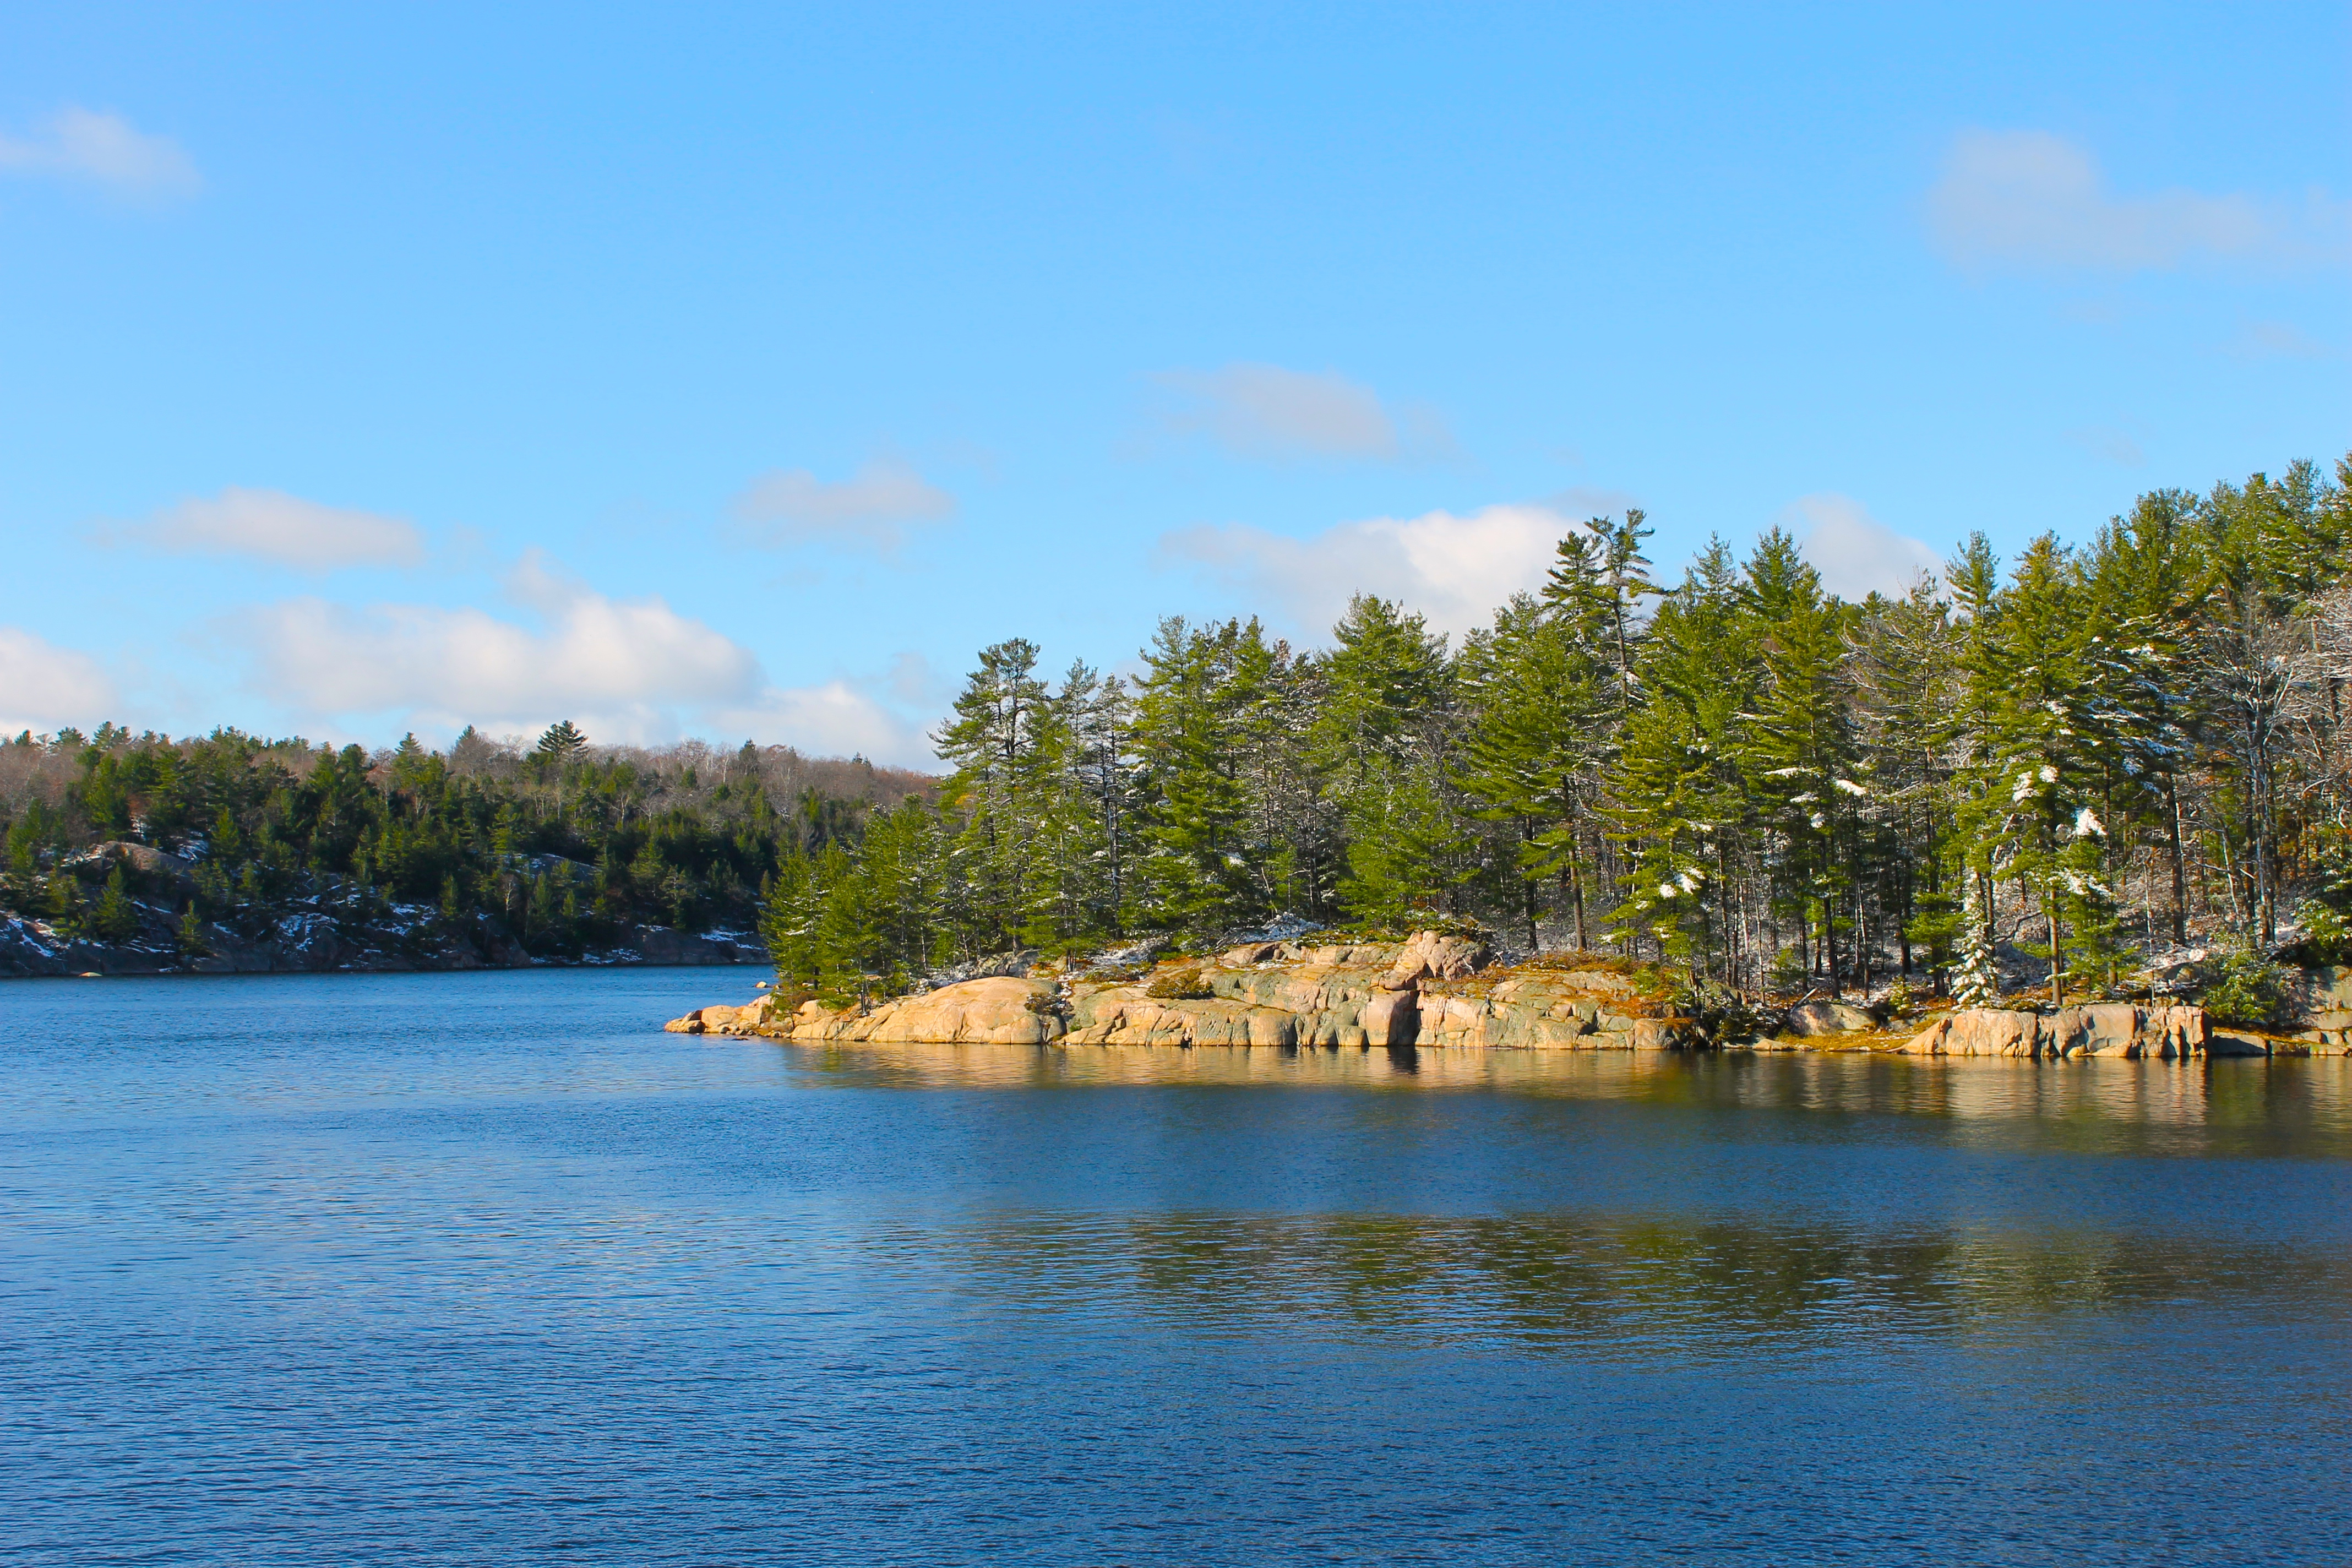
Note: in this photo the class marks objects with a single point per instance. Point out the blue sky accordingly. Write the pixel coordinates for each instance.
(741, 373)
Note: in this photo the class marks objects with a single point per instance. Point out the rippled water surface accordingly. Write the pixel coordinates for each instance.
(472, 1268)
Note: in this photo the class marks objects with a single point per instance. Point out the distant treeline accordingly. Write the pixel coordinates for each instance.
(2070, 758)
(564, 843)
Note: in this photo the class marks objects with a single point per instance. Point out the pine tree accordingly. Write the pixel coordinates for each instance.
(2038, 750)
(1802, 760)
(1976, 978)
(1015, 791)
(1529, 757)
(1907, 678)
(1198, 832)
(116, 917)
(1382, 741)
(1682, 807)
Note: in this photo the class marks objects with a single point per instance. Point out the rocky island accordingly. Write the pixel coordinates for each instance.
(1442, 990)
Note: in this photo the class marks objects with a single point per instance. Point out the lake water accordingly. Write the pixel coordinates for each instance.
(486, 1268)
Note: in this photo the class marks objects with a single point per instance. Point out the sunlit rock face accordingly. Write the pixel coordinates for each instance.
(999, 1011)
(2107, 1030)
(1813, 1018)
(1435, 989)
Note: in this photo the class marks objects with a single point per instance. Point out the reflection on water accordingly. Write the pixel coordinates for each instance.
(2299, 1105)
(1625, 1289)
(488, 1268)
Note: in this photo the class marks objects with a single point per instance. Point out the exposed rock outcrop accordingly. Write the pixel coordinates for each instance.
(996, 1011)
(2105, 1029)
(1593, 1010)
(1432, 990)
(1435, 990)
(1809, 1019)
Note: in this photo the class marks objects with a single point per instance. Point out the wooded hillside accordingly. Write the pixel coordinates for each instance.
(2068, 760)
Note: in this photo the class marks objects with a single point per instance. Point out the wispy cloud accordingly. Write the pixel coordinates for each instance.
(2031, 198)
(43, 685)
(2276, 340)
(623, 665)
(1454, 569)
(92, 148)
(2107, 441)
(270, 525)
(873, 508)
(836, 718)
(626, 670)
(1265, 412)
(1854, 552)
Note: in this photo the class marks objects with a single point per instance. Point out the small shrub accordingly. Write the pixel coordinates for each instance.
(2326, 915)
(2246, 988)
(1185, 983)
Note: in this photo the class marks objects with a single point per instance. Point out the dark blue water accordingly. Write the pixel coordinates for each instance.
(473, 1269)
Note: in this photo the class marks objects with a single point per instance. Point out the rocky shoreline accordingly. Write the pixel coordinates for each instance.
(1440, 991)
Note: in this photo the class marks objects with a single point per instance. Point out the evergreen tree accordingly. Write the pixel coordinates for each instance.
(1381, 741)
(1907, 682)
(1530, 756)
(1976, 978)
(1800, 758)
(116, 917)
(1682, 805)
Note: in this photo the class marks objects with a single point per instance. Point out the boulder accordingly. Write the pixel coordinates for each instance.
(138, 859)
(1437, 956)
(1811, 1018)
(1978, 1031)
(1000, 1010)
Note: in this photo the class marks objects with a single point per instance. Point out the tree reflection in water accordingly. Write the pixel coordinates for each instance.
(1640, 1289)
(2288, 1106)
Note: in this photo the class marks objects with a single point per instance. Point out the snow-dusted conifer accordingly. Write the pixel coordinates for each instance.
(1976, 979)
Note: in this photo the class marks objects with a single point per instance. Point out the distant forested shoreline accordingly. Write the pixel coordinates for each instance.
(487, 852)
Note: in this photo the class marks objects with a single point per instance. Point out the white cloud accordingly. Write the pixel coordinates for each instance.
(835, 719)
(1454, 570)
(1264, 411)
(1854, 552)
(43, 685)
(623, 668)
(270, 525)
(625, 671)
(2034, 199)
(872, 507)
(106, 151)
